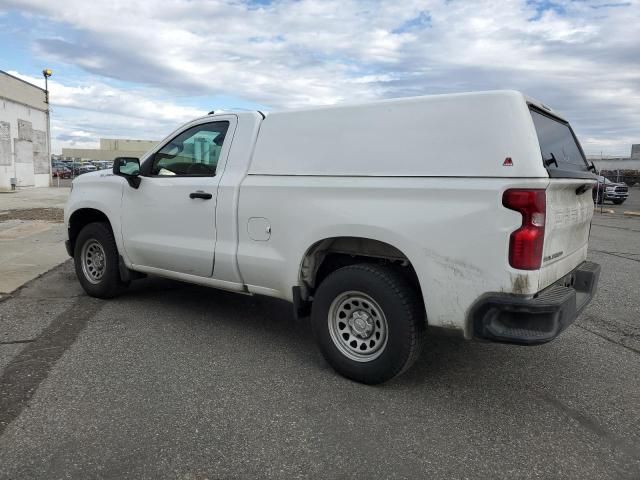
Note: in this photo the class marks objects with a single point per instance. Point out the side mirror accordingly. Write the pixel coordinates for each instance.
(129, 168)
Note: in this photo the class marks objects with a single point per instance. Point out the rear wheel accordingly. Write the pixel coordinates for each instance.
(96, 261)
(369, 322)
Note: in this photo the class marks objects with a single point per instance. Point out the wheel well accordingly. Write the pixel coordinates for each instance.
(327, 256)
(81, 218)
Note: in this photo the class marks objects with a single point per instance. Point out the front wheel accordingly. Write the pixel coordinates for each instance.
(369, 322)
(96, 261)
(618, 202)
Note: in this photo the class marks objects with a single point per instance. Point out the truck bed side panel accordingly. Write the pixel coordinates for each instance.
(454, 231)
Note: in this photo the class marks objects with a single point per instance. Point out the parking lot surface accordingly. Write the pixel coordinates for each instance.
(176, 381)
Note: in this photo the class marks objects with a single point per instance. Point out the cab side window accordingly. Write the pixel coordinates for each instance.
(193, 153)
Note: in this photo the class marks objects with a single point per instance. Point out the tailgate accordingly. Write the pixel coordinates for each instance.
(569, 197)
(566, 236)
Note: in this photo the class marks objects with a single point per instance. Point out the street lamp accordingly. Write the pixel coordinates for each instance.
(46, 73)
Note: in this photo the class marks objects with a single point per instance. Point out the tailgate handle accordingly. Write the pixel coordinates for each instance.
(582, 188)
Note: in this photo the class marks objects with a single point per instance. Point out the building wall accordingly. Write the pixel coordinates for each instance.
(23, 92)
(97, 154)
(111, 148)
(616, 164)
(24, 139)
(125, 144)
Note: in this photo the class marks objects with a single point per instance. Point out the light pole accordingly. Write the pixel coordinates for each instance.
(47, 73)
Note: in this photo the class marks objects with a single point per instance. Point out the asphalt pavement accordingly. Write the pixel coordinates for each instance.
(31, 235)
(183, 382)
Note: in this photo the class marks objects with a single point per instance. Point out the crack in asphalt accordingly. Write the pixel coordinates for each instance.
(23, 375)
(630, 449)
(617, 255)
(604, 337)
(617, 228)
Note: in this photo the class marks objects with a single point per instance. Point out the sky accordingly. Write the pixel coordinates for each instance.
(139, 69)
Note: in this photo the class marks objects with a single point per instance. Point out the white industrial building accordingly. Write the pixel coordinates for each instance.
(111, 148)
(24, 134)
(615, 163)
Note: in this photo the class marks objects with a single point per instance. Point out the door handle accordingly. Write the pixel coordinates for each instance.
(201, 194)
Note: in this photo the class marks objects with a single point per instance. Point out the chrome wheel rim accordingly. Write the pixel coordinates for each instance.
(94, 261)
(358, 326)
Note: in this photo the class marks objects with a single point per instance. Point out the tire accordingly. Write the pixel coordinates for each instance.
(618, 202)
(383, 333)
(96, 247)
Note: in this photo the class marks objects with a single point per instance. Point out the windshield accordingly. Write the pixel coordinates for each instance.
(561, 153)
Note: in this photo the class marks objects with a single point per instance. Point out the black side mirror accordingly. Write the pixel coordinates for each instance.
(129, 168)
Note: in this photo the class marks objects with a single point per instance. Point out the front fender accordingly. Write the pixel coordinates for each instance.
(102, 193)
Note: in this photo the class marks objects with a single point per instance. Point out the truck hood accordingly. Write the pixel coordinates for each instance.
(92, 176)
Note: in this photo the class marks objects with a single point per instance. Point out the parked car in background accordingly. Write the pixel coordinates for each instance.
(75, 168)
(103, 164)
(608, 190)
(86, 168)
(78, 168)
(60, 171)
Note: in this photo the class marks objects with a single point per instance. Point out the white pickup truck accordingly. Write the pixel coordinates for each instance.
(467, 212)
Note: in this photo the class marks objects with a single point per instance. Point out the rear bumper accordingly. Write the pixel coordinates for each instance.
(530, 321)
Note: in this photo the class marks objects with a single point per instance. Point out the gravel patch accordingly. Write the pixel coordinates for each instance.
(55, 215)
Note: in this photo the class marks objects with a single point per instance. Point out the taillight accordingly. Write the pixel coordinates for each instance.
(526, 243)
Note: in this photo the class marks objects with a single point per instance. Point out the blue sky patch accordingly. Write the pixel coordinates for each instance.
(542, 6)
(419, 22)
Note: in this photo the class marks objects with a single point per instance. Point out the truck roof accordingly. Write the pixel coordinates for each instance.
(337, 107)
(455, 97)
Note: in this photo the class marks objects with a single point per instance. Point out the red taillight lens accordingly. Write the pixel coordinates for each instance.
(526, 243)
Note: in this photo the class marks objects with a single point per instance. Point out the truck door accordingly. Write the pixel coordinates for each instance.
(168, 223)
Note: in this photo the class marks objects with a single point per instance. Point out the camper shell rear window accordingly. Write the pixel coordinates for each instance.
(562, 155)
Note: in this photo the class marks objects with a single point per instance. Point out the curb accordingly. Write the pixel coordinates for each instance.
(632, 214)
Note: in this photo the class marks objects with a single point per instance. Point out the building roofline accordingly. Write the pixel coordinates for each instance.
(23, 81)
(128, 139)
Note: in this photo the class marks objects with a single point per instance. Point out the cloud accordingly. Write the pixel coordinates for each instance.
(82, 114)
(131, 103)
(583, 58)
